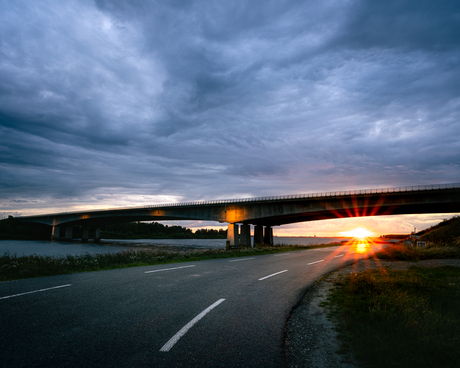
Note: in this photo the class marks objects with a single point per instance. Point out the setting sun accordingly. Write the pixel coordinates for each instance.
(359, 232)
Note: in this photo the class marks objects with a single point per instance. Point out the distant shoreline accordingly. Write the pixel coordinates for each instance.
(313, 237)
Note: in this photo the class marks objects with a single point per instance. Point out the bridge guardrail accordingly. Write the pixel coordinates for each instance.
(311, 195)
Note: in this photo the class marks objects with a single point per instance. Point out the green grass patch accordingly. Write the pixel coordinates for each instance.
(400, 318)
(14, 267)
(403, 253)
(444, 233)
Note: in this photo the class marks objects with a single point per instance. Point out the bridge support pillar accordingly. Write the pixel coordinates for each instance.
(258, 235)
(268, 235)
(69, 232)
(245, 236)
(84, 238)
(97, 238)
(233, 236)
(55, 232)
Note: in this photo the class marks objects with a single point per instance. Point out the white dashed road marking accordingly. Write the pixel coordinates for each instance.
(168, 269)
(166, 347)
(35, 291)
(244, 259)
(273, 274)
(314, 262)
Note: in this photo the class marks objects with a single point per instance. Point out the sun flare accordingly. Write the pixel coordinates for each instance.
(359, 232)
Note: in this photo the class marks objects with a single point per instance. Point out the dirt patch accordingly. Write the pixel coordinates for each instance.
(311, 339)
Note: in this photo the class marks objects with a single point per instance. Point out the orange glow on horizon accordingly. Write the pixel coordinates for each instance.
(359, 233)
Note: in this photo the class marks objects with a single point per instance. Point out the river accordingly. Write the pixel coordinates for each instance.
(55, 248)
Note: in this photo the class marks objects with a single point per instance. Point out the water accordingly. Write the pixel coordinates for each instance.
(305, 241)
(55, 248)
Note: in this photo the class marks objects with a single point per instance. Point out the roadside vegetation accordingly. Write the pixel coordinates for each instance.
(14, 267)
(403, 318)
(400, 318)
(400, 252)
(446, 233)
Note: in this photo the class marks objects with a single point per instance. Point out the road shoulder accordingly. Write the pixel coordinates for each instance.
(311, 340)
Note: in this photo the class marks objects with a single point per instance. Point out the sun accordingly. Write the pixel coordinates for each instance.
(359, 232)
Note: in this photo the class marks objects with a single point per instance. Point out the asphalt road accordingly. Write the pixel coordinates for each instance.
(216, 313)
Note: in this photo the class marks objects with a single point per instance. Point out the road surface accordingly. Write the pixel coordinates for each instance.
(214, 313)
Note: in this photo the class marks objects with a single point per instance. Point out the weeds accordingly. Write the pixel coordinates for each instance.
(400, 318)
(403, 253)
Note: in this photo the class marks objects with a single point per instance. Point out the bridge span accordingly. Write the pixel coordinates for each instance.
(266, 212)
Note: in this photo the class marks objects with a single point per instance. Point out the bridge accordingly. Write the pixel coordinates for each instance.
(264, 213)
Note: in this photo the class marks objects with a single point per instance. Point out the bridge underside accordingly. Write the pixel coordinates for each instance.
(355, 212)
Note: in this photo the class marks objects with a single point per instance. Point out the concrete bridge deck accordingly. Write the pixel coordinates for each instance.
(266, 212)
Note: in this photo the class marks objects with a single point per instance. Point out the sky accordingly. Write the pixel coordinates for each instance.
(118, 103)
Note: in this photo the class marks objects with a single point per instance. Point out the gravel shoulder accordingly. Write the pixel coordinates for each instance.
(311, 339)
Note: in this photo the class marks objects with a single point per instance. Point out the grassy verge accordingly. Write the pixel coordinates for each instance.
(390, 318)
(14, 267)
(402, 253)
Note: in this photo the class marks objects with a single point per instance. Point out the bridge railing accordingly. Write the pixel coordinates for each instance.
(284, 197)
(313, 195)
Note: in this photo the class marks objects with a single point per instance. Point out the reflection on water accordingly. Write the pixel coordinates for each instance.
(306, 241)
(49, 248)
(361, 247)
(182, 243)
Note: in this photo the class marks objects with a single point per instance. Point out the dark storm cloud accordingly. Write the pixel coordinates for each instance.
(409, 25)
(106, 101)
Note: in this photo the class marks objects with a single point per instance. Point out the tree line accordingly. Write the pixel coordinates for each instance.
(10, 229)
(156, 230)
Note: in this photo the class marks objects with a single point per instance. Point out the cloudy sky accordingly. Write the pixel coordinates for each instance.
(130, 102)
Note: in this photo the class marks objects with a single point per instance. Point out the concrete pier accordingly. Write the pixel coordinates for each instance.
(97, 238)
(268, 235)
(69, 232)
(245, 236)
(84, 238)
(258, 235)
(55, 232)
(233, 236)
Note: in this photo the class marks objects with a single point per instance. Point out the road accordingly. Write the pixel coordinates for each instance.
(214, 313)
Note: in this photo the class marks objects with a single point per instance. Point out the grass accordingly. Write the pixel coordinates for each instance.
(410, 318)
(400, 318)
(14, 267)
(402, 253)
(446, 232)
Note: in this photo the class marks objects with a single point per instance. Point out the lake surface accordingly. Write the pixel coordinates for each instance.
(54, 248)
